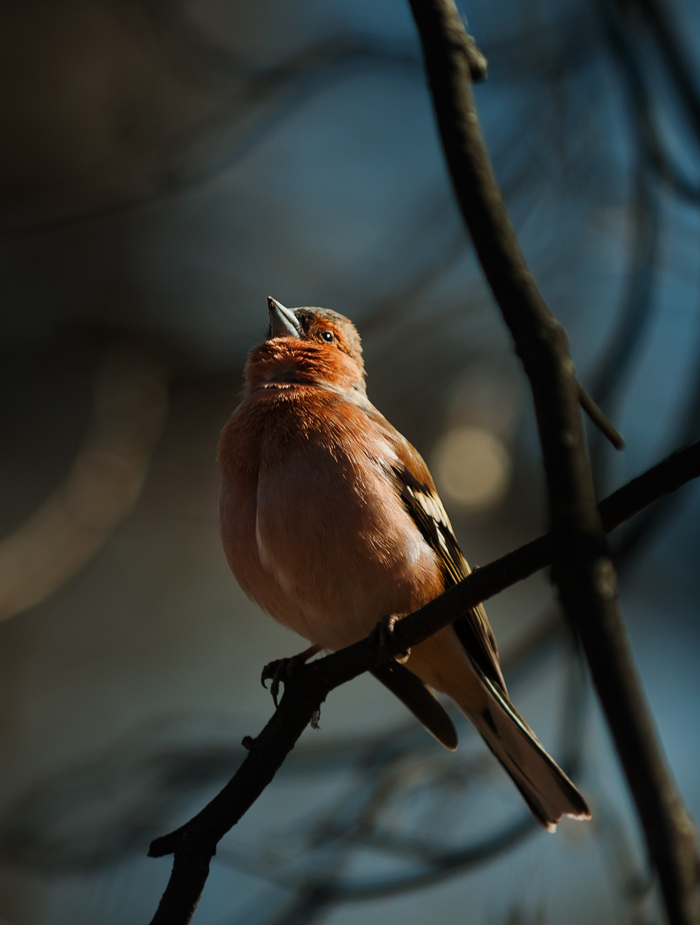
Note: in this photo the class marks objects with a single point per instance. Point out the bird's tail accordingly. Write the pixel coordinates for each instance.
(547, 790)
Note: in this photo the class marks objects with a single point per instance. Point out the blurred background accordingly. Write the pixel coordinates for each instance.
(165, 166)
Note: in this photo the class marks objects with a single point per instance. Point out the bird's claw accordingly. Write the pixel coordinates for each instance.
(383, 633)
(278, 672)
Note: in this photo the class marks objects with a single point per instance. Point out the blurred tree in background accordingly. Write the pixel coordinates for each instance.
(164, 167)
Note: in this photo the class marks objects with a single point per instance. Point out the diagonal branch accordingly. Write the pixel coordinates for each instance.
(582, 568)
(194, 844)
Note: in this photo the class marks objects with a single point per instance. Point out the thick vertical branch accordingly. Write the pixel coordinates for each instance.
(581, 565)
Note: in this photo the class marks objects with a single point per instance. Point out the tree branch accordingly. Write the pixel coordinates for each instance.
(194, 844)
(582, 568)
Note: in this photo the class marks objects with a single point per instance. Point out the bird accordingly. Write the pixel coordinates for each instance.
(330, 521)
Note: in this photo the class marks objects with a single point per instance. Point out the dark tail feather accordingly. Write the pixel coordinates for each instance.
(420, 700)
(546, 789)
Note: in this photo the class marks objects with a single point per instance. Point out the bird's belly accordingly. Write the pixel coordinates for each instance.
(351, 557)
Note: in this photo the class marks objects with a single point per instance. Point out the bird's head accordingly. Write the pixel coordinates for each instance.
(307, 345)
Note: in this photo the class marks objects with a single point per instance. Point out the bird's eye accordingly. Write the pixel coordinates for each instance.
(327, 336)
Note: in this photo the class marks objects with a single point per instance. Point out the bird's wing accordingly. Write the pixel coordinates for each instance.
(420, 700)
(419, 495)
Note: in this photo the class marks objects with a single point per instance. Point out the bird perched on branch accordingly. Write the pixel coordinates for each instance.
(331, 522)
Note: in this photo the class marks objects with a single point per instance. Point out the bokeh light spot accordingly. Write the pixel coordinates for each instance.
(472, 467)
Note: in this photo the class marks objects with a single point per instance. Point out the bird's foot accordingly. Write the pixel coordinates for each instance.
(281, 670)
(383, 633)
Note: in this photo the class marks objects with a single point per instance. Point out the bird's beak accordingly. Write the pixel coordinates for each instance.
(283, 321)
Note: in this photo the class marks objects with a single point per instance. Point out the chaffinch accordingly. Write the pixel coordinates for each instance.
(331, 522)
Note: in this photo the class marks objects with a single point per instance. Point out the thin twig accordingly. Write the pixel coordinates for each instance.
(194, 844)
(606, 427)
